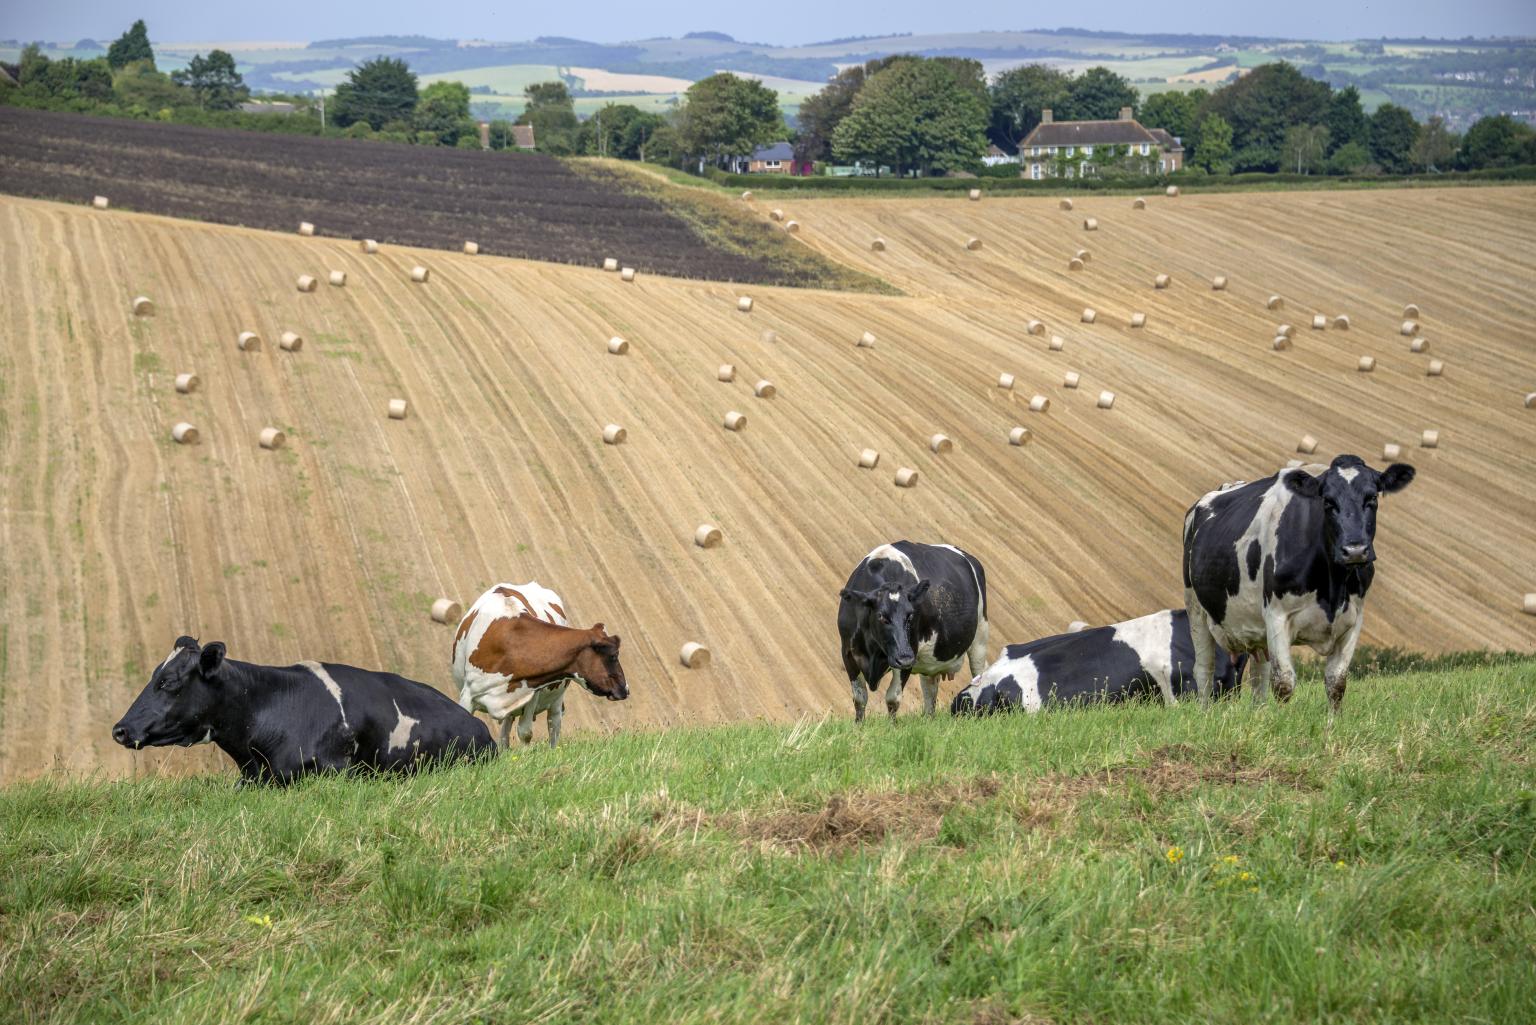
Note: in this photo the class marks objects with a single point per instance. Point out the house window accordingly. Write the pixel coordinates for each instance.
(1071, 150)
(1087, 170)
(1034, 171)
(1087, 151)
(1145, 149)
(1162, 165)
(773, 165)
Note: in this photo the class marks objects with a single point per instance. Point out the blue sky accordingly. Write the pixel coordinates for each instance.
(775, 21)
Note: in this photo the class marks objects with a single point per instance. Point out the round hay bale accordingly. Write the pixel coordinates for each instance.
(447, 611)
(338, 278)
(975, 194)
(471, 248)
(627, 273)
(878, 245)
(1090, 315)
(1419, 345)
(610, 264)
(940, 444)
(869, 459)
(1219, 283)
(1083, 255)
(1039, 404)
(1281, 343)
(866, 341)
(1430, 439)
(290, 341)
(1411, 311)
(1138, 204)
(1161, 281)
(1138, 320)
(744, 304)
(694, 655)
(1391, 452)
(1341, 322)
(726, 373)
(1076, 626)
(1274, 302)
(306, 283)
(1307, 445)
(1035, 327)
(1366, 364)
(1319, 322)
(747, 195)
(1409, 328)
(1066, 204)
(973, 244)
(1530, 605)
(1173, 190)
(618, 346)
(776, 214)
(1057, 342)
(187, 383)
(906, 477)
(1435, 368)
(764, 390)
(768, 336)
(613, 434)
(184, 434)
(791, 226)
(305, 228)
(248, 341)
(1070, 379)
(368, 245)
(143, 306)
(1020, 436)
(398, 409)
(734, 421)
(1530, 400)
(1005, 382)
(420, 275)
(1106, 400)
(1286, 330)
(1090, 224)
(707, 535)
(100, 202)
(1074, 264)
(272, 438)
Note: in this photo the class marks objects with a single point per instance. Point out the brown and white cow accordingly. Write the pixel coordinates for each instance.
(516, 651)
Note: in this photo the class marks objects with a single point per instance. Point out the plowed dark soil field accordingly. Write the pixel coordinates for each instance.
(512, 204)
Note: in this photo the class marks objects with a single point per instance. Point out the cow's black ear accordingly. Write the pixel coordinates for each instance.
(1395, 478)
(211, 660)
(860, 597)
(917, 592)
(1304, 484)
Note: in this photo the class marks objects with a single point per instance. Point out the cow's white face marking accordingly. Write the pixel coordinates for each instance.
(331, 686)
(1349, 473)
(895, 596)
(168, 658)
(207, 737)
(400, 736)
(1024, 672)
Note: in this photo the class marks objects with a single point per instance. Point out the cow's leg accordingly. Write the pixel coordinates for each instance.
(976, 655)
(525, 723)
(1282, 672)
(893, 692)
(506, 722)
(860, 696)
(1164, 678)
(1336, 671)
(930, 694)
(1260, 676)
(556, 713)
(1205, 647)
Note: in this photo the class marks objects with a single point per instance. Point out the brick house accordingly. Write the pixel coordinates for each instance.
(1080, 149)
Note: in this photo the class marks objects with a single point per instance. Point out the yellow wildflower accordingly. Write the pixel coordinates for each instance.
(1230, 859)
(1341, 864)
(1175, 855)
(265, 921)
(1244, 876)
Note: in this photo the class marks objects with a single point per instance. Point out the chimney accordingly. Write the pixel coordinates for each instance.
(1125, 113)
(1045, 116)
(485, 135)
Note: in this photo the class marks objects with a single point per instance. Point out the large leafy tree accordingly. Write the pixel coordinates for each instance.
(1305, 148)
(1098, 94)
(1018, 97)
(822, 112)
(1261, 105)
(619, 130)
(443, 110)
(131, 46)
(1434, 147)
(1215, 152)
(214, 80)
(725, 115)
(1498, 141)
(1393, 131)
(552, 113)
(1346, 119)
(918, 115)
(376, 91)
(1172, 111)
(140, 86)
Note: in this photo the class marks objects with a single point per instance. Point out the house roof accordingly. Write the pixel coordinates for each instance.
(522, 136)
(268, 107)
(1087, 133)
(1169, 143)
(993, 151)
(778, 151)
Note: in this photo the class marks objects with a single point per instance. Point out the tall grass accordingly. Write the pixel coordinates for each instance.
(1128, 864)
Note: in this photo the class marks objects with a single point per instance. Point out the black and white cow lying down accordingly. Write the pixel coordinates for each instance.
(1281, 561)
(282, 723)
(1135, 659)
(911, 608)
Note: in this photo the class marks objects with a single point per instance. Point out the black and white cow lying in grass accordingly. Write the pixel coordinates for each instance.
(1281, 561)
(282, 723)
(1139, 658)
(911, 608)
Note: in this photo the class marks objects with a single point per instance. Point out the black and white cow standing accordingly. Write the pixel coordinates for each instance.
(282, 723)
(911, 608)
(1103, 664)
(1281, 561)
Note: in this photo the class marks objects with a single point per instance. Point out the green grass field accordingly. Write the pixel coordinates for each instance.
(1129, 864)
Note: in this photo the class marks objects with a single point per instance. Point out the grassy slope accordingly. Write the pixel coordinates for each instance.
(1381, 870)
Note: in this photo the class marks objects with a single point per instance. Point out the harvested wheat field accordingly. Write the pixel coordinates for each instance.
(114, 538)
